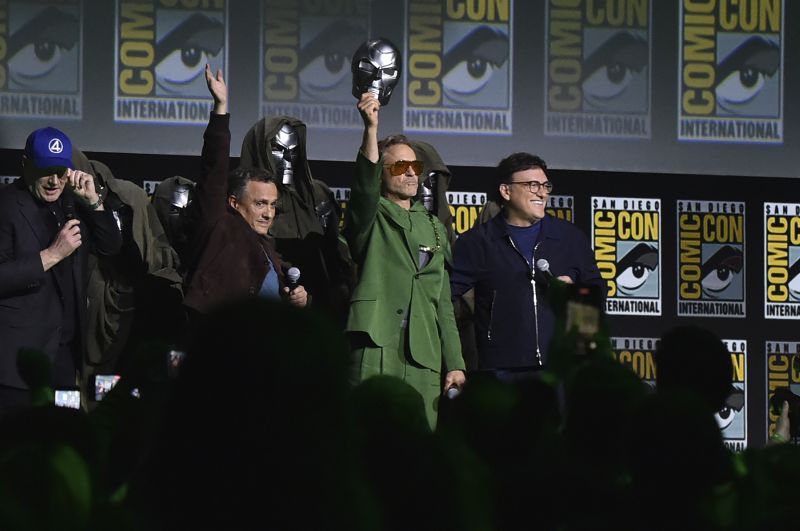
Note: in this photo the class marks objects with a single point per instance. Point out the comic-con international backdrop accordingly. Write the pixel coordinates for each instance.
(670, 128)
(676, 86)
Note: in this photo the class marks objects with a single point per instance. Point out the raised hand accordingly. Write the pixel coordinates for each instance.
(218, 89)
(369, 106)
(82, 184)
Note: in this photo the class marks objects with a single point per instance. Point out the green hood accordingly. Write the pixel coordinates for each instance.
(433, 162)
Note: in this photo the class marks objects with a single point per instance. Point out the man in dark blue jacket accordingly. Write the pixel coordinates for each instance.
(513, 321)
(50, 220)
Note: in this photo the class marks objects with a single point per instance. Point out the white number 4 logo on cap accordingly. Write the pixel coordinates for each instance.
(55, 146)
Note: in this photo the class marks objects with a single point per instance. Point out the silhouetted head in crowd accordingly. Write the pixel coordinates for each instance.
(47, 458)
(694, 359)
(678, 461)
(600, 398)
(499, 420)
(386, 404)
(256, 428)
(415, 480)
(507, 428)
(772, 488)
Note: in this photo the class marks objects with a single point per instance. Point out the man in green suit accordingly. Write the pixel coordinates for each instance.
(401, 319)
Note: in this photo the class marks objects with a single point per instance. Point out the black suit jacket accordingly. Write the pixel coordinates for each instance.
(31, 311)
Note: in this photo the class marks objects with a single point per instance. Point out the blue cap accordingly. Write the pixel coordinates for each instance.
(48, 147)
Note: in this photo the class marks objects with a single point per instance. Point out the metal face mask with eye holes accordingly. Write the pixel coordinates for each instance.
(376, 69)
(171, 201)
(285, 149)
(427, 191)
(181, 196)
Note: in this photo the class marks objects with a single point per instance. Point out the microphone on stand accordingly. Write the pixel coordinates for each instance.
(293, 277)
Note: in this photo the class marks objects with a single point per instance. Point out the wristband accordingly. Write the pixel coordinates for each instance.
(95, 206)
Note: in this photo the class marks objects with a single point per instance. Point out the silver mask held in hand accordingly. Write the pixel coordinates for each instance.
(284, 148)
(376, 69)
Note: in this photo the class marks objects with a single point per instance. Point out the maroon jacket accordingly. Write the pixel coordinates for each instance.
(230, 258)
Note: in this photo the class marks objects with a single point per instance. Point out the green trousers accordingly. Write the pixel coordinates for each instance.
(371, 360)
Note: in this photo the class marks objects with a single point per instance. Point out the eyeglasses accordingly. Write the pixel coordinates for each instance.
(62, 177)
(401, 166)
(47, 173)
(534, 186)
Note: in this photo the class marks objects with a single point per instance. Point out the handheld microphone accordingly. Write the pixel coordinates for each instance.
(453, 392)
(293, 276)
(543, 266)
(68, 206)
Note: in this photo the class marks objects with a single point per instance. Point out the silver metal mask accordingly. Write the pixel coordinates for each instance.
(427, 191)
(180, 196)
(376, 69)
(285, 149)
(171, 200)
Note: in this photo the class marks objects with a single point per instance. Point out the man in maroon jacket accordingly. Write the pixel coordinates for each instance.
(232, 257)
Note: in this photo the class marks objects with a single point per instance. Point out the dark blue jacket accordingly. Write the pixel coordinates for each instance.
(32, 312)
(507, 327)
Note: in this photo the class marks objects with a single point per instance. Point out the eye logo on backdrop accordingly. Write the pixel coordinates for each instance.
(597, 74)
(732, 418)
(40, 59)
(626, 234)
(458, 67)
(731, 65)
(306, 51)
(711, 258)
(639, 355)
(162, 47)
(782, 260)
(782, 374)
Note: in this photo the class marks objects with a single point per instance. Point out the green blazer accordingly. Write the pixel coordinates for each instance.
(385, 240)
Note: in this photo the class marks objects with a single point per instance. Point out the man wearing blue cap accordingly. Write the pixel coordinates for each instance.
(49, 222)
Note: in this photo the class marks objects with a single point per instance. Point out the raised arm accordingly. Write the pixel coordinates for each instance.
(212, 185)
(218, 89)
(368, 106)
(366, 188)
